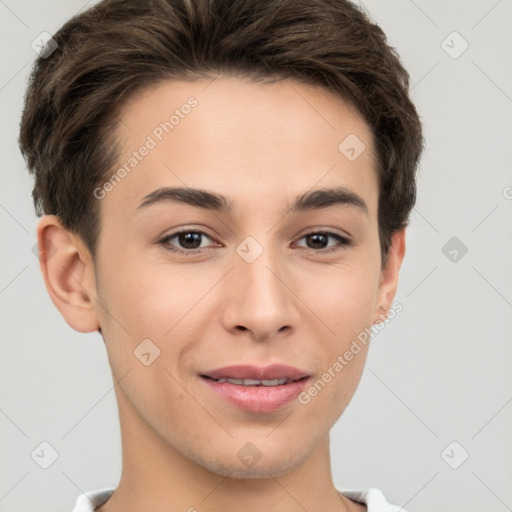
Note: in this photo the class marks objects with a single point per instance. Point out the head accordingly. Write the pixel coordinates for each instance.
(293, 120)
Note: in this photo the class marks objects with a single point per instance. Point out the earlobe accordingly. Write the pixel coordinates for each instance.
(68, 274)
(389, 276)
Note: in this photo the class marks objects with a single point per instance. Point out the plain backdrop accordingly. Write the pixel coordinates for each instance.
(430, 422)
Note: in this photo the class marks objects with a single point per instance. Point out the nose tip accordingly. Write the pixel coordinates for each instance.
(260, 302)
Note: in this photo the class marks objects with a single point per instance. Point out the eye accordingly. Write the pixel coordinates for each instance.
(320, 238)
(190, 241)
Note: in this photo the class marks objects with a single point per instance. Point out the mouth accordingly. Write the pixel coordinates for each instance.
(256, 382)
(256, 389)
(261, 374)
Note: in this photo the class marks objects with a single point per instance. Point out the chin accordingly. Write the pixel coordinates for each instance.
(276, 463)
(258, 471)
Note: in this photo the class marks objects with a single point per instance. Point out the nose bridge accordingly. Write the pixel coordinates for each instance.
(260, 299)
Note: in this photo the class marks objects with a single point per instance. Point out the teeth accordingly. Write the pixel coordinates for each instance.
(274, 382)
(255, 382)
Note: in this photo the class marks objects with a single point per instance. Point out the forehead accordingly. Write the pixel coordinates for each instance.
(258, 144)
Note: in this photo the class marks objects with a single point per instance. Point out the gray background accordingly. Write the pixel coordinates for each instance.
(438, 373)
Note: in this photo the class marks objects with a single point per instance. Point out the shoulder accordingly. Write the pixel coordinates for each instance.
(88, 501)
(374, 499)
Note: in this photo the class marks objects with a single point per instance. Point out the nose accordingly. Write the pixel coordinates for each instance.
(260, 298)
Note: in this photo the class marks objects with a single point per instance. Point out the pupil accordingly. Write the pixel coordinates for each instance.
(186, 238)
(317, 237)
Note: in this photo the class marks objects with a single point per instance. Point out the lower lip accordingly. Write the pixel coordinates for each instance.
(257, 398)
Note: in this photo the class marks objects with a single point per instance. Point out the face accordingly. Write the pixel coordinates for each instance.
(257, 277)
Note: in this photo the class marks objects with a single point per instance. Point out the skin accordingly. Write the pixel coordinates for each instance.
(260, 145)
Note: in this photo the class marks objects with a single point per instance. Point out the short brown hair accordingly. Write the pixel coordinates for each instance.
(111, 51)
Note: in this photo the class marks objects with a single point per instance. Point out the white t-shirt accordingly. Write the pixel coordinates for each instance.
(372, 498)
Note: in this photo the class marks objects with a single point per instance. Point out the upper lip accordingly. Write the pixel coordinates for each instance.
(271, 372)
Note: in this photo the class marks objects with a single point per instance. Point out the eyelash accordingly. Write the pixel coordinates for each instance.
(343, 241)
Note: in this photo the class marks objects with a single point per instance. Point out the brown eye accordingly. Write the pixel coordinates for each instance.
(319, 241)
(187, 241)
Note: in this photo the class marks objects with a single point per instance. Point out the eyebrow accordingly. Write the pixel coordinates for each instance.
(312, 200)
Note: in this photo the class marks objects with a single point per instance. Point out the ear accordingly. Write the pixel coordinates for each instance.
(389, 276)
(68, 273)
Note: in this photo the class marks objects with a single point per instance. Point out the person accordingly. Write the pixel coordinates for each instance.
(224, 189)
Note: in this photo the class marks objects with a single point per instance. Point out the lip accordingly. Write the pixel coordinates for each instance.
(261, 399)
(257, 398)
(246, 371)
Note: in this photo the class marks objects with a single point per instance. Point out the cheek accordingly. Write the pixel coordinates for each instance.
(344, 301)
(333, 388)
(343, 296)
(155, 316)
(143, 298)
